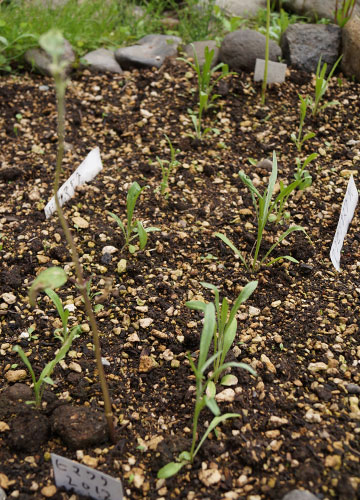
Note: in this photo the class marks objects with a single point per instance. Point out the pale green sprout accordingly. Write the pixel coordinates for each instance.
(343, 14)
(45, 376)
(206, 85)
(300, 139)
(205, 393)
(321, 85)
(167, 166)
(226, 323)
(133, 229)
(302, 174)
(264, 209)
(64, 316)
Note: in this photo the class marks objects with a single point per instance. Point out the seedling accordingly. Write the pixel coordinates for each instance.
(53, 43)
(64, 316)
(132, 227)
(205, 393)
(205, 87)
(302, 174)
(321, 85)
(45, 376)
(343, 13)
(264, 208)
(167, 166)
(226, 324)
(299, 139)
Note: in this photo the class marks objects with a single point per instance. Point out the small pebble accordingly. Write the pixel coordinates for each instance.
(15, 375)
(43, 88)
(353, 388)
(48, 491)
(299, 495)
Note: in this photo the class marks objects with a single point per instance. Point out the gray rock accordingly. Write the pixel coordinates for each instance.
(241, 48)
(303, 44)
(199, 48)
(299, 495)
(241, 8)
(350, 63)
(148, 52)
(102, 60)
(2, 494)
(316, 8)
(39, 60)
(353, 389)
(79, 427)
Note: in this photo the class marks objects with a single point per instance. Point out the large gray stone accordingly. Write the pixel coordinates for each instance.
(199, 48)
(299, 495)
(303, 44)
(316, 8)
(241, 48)
(40, 61)
(102, 60)
(241, 8)
(350, 63)
(148, 52)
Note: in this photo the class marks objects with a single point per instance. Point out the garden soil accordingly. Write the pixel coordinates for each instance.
(299, 419)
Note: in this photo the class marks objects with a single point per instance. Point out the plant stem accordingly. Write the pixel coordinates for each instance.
(60, 87)
(263, 89)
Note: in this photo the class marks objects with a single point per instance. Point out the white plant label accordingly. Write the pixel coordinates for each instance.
(85, 480)
(276, 71)
(85, 172)
(346, 215)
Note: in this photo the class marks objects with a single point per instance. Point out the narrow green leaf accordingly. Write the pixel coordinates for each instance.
(212, 405)
(207, 333)
(214, 423)
(232, 246)
(142, 235)
(196, 305)
(170, 469)
(282, 237)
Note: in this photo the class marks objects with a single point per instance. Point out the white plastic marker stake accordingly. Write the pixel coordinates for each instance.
(276, 71)
(85, 480)
(346, 215)
(85, 172)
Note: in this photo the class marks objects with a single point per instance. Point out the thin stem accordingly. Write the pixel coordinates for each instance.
(263, 89)
(60, 86)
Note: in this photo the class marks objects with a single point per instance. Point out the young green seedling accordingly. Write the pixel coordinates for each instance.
(167, 166)
(343, 14)
(205, 393)
(53, 43)
(299, 139)
(206, 85)
(321, 85)
(264, 207)
(132, 227)
(226, 323)
(64, 316)
(302, 174)
(45, 376)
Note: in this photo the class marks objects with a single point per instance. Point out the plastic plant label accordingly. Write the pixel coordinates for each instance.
(85, 480)
(85, 172)
(346, 215)
(276, 71)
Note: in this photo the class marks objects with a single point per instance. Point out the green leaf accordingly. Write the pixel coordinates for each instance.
(282, 237)
(142, 235)
(210, 389)
(25, 360)
(227, 242)
(207, 333)
(229, 380)
(212, 405)
(53, 277)
(196, 305)
(132, 249)
(214, 423)
(170, 469)
(48, 380)
(229, 336)
(246, 292)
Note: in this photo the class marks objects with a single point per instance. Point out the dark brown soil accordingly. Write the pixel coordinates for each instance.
(299, 428)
